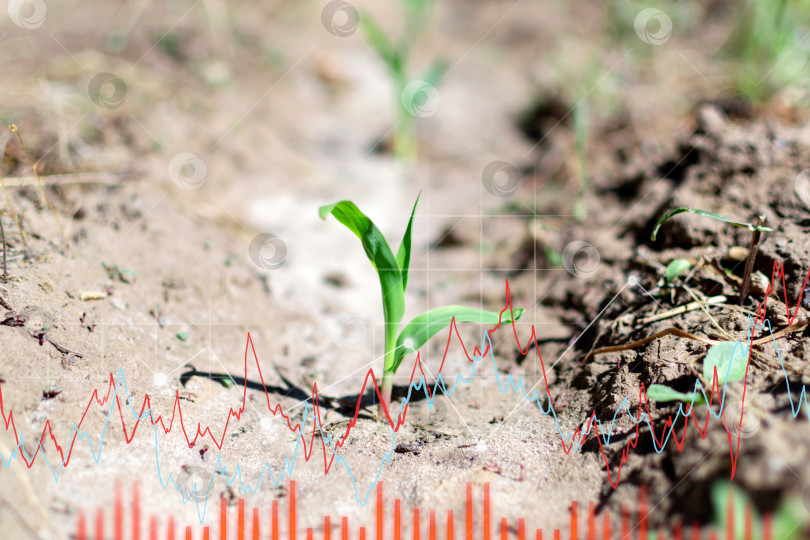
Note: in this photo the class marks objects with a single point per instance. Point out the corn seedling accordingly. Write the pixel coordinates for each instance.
(582, 122)
(756, 235)
(595, 97)
(767, 47)
(396, 55)
(392, 271)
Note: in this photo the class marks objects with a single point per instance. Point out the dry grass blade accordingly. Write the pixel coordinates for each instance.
(13, 212)
(106, 179)
(684, 334)
(658, 335)
(783, 332)
(692, 306)
(16, 131)
(30, 493)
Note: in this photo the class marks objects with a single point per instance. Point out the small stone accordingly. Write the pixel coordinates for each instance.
(407, 449)
(737, 253)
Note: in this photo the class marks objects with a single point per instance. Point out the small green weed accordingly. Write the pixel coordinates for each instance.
(756, 234)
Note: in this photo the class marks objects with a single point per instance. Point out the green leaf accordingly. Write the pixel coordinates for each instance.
(705, 213)
(720, 356)
(128, 276)
(788, 520)
(404, 251)
(416, 10)
(676, 268)
(423, 327)
(416, 5)
(720, 493)
(662, 393)
(553, 257)
(378, 39)
(437, 71)
(382, 258)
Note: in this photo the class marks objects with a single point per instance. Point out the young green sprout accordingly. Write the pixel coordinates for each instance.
(756, 234)
(396, 56)
(786, 521)
(392, 271)
(765, 48)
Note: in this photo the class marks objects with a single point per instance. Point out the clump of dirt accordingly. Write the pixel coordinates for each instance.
(740, 168)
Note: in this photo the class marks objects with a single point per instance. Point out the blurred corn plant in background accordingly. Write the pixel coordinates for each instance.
(414, 97)
(769, 49)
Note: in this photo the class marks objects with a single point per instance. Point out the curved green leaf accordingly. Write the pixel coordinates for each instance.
(416, 14)
(788, 519)
(723, 492)
(382, 258)
(676, 268)
(720, 356)
(438, 69)
(404, 251)
(378, 39)
(662, 393)
(423, 327)
(418, 6)
(705, 213)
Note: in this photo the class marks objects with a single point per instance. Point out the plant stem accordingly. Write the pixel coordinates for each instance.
(388, 370)
(385, 390)
(756, 234)
(405, 148)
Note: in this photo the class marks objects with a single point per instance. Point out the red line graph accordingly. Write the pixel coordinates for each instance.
(395, 423)
(472, 509)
